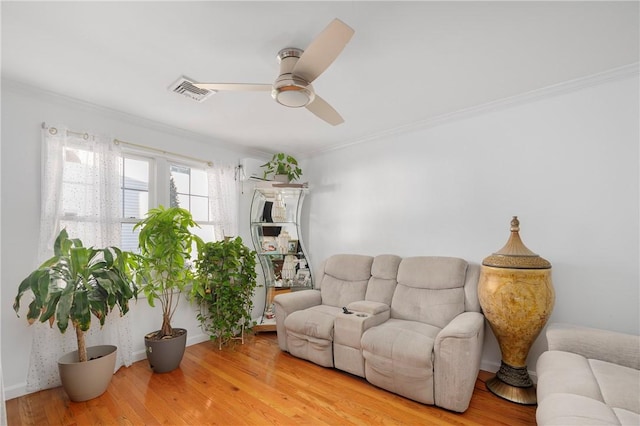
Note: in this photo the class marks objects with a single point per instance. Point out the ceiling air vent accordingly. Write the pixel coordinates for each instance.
(184, 86)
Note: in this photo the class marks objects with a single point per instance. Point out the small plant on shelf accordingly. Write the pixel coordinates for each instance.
(282, 164)
(226, 280)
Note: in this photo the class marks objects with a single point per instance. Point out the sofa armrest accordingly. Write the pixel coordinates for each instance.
(368, 307)
(297, 300)
(457, 353)
(610, 346)
(285, 304)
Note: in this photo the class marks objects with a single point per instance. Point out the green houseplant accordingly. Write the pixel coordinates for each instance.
(282, 164)
(166, 243)
(224, 288)
(76, 283)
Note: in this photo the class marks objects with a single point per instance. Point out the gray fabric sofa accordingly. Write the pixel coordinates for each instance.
(588, 377)
(416, 328)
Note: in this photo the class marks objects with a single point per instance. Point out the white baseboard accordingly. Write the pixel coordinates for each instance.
(15, 391)
(491, 367)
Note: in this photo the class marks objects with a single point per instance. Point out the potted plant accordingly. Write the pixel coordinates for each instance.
(283, 167)
(76, 283)
(226, 280)
(165, 242)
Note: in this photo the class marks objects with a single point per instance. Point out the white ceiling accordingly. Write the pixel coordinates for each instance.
(408, 62)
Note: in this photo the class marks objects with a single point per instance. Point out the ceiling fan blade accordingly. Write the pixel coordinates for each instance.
(323, 50)
(238, 87)
(323, 110)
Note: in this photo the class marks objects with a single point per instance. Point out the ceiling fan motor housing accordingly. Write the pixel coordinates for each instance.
(289, 90)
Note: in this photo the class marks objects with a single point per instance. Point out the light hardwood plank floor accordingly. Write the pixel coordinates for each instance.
(252, 384)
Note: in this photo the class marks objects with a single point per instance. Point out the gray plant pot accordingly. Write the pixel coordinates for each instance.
(164, 355)
(86, 380)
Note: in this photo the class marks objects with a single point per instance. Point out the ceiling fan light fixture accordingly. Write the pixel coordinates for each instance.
(292, 94)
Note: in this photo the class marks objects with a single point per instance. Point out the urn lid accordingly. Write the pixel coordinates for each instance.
(515, 254)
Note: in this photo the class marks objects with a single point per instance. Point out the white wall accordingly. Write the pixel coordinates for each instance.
(23, 111)
(566, 165)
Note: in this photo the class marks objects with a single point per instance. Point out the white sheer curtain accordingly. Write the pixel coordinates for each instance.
(223, 200)
(80, 192)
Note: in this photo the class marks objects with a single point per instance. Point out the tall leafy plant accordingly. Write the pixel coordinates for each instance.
(76, 283)
(224, 288)
(166, 243)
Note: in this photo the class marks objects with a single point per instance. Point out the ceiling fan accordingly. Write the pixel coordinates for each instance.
(298, 69)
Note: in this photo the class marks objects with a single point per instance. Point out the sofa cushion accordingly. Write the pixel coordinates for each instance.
(429, 290)
(432, 272)
(619, 385)
(566, 409)
(345, 279)
(565, 372)
(349, 267)
(316, 322)
(382, 283)
(399, 358)
(574, 390)
(626, 417)
(408, 343)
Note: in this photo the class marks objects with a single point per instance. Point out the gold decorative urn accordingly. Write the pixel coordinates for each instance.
(517, 297)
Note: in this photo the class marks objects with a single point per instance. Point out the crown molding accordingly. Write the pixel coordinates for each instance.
(615, 74)
(57, 98)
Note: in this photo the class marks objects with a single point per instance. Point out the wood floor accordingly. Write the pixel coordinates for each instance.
(252, 384)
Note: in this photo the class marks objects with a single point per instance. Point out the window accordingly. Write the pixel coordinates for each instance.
(139, 177)
(189, 189)
(134, 197)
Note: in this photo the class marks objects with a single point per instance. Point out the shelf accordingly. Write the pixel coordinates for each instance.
(269, 186)
(291, 288)
(283, 204)
(270, 193)
(264, 325)
(272, 223)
